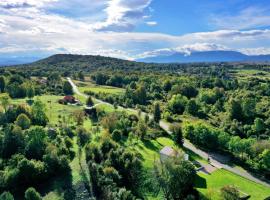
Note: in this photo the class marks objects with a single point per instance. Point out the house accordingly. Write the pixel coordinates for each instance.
(169, 152)
(68, 99)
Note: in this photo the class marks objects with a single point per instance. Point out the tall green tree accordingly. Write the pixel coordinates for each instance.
(67, 88)
(177, 134)
(141, 94)
(36, 142)
(39, 113)
(175, 177)
(30, 91)
(192, 107)
(157, 112)
(235, 110)
(89, 101)
(2, 84)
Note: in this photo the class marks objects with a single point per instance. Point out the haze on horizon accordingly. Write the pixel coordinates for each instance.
(132, 29)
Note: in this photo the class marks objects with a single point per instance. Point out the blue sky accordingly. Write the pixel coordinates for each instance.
(133, 29)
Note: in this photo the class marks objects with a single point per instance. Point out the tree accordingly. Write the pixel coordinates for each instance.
(175, 177)
(13, 141)
(141, 129)
(83, 136)
(189, 91)
(6, 196)
(192, 107)
(141, 95)
(157, 112)
(36, 142)
(5, 101)
(235, 110)
(177, 134)
(81, 76)
(67, 88)
(30, 91)
(265, 159)
(89, 101)
(79, 116)
(177, 104)
(32, 194)
(38, 113)
(248, 108)
(2, 84)
(229, 193)
(259, 125)
(23, 121)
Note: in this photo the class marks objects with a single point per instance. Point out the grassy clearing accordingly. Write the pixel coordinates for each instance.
(89, 86)
(250, 73)
(53, 109)
(210, 185)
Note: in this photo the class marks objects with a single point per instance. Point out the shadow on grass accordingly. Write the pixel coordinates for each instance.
(149, 145)
(200, 182)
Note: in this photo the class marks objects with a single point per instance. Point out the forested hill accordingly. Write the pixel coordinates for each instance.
(67, 64)
(82, 63)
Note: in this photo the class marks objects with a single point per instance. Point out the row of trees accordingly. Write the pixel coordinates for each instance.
(254, 153)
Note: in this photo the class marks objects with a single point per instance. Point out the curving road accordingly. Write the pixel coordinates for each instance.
(217, 160)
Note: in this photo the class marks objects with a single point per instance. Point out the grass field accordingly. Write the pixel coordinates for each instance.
(210, 185)
(250, 73)
(54, 110)
(89, 86)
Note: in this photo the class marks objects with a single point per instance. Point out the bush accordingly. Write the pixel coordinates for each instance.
(32, 194)
(229, 193)
(6, 196)
(117, 135)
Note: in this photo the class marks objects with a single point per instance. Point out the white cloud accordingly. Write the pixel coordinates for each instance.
(24, 3)
(185, 49)
(256, 51)
(151, 23)
(251, 17)
(33, 29)
(122, 15)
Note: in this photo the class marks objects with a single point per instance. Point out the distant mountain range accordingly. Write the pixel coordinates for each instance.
(7, 60)
(196, 56)
(206, 56)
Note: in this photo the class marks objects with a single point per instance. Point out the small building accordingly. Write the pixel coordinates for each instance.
(169, 152)
(68, 99)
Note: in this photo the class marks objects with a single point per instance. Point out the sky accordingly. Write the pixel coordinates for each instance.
(133, 29)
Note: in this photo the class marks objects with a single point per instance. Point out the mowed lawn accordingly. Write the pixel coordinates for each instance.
(91, 87)
(210, 185)
(55, 111)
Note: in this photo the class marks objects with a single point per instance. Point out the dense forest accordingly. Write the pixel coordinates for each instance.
(218, 107)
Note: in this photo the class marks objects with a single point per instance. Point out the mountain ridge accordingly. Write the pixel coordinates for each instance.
(206, 56)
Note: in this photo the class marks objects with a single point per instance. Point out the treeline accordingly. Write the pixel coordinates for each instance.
(20, 85)
(255, 153)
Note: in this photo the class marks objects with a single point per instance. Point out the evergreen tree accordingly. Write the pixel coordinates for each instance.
(157, 112)
(67, 88)
(2, 84)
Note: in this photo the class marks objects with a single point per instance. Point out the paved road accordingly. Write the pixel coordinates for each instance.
(217, 160)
